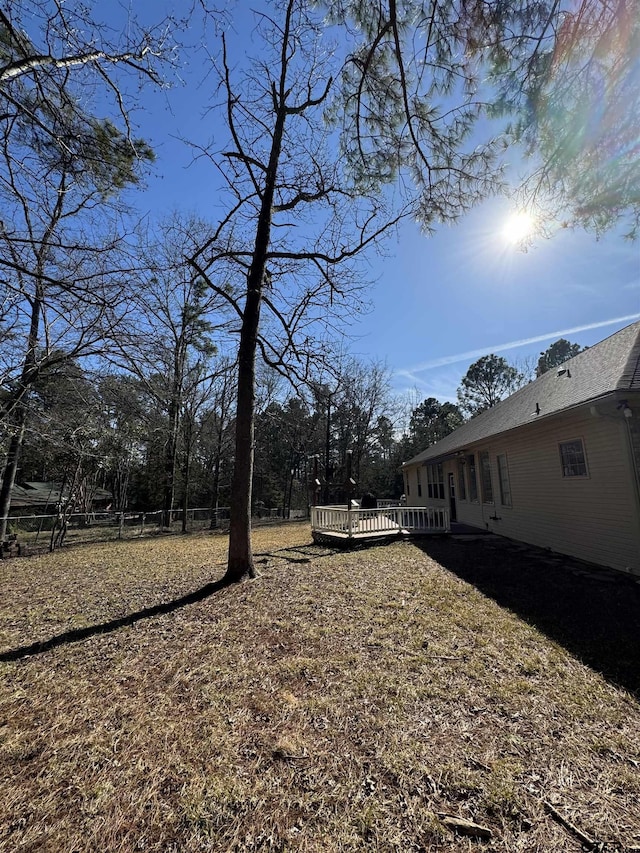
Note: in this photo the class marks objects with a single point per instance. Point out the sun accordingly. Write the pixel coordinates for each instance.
(518, 227)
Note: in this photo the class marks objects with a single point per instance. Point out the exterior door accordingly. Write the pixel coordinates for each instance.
(452, 497)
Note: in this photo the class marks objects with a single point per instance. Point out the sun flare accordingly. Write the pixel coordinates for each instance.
(518, 227)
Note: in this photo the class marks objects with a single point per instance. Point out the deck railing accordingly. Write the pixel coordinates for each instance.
(363, 522)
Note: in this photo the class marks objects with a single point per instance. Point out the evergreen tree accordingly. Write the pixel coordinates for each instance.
(556, 354)
(487, 381)
(430, 422)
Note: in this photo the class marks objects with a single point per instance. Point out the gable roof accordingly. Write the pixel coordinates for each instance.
(37, 494)
(610, 366)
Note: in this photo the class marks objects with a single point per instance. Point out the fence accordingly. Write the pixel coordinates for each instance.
(34, 532)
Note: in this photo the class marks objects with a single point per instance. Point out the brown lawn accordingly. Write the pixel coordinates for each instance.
(343, 701)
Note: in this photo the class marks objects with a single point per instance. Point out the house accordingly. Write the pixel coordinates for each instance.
(43, 497)
(557, 464)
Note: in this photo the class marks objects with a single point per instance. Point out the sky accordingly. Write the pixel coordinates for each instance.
(439, 302)
(443, 302)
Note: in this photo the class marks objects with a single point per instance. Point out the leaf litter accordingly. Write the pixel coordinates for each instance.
(363, 700)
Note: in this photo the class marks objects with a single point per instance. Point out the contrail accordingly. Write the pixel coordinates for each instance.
(476, 353)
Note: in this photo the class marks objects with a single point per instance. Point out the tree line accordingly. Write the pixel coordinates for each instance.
(159, 432)
(347, 119)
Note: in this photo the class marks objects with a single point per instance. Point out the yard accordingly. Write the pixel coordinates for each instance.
(367, 700)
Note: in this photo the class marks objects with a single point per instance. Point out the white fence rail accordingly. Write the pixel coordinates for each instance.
(343, 521)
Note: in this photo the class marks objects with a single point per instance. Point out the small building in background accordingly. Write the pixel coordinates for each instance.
(34, 498)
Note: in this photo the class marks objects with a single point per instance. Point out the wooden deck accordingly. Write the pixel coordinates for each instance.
(351, 526)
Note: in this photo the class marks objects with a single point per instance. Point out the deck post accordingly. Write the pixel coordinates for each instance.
(315, 486)
(349, 487)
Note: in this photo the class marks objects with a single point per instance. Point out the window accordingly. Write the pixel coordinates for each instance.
(485, 477)
(419, 483)
(462, 492)
(408, 483)
(574, 463)
(435, 481)
(473, 480)
(503, 479)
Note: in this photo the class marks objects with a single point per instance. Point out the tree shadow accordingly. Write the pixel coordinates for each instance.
(76, 635)
(593, 613)
(303, 553)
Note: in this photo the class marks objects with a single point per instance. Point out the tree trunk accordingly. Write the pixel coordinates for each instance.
(120, 486)
(240, 565)
(327, 454)
(15, 446)
(10, 470)
(215, 494)
(186, 472)
(170, 462)
(287, 513)
(185, 498)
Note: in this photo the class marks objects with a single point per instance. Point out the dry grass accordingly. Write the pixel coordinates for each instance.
(342, 701)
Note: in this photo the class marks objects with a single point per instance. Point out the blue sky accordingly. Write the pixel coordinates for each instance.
(443, 302)
(439, 302)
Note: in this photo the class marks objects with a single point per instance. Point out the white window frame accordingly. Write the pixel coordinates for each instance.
(567, 463)
(504, 481)
(486, 480)
(435, 481)
(462, 486)
(472, 471)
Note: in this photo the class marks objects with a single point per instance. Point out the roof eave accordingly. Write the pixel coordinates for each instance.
(459, 449)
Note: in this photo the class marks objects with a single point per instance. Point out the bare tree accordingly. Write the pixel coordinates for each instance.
(168, 338)
(44, 43)
(362, 395)
(302, 209)
(123, 433)
(216, 433)
(57, 277)
(292, 231)
(53, 60)
(60, 169)
(60, 161)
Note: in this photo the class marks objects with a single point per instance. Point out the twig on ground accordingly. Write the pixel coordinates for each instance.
(579, 834)
(465, 827)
